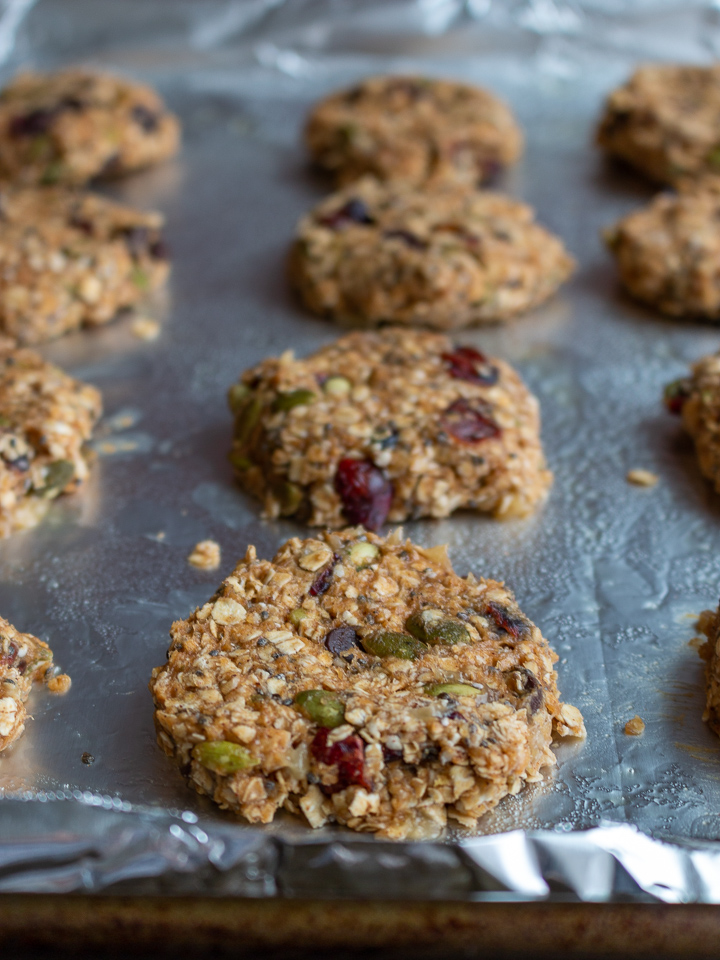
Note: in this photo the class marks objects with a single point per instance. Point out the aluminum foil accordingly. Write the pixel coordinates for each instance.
(614, 574)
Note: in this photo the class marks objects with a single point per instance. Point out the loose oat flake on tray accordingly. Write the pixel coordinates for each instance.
(359, 679)
(391, 425)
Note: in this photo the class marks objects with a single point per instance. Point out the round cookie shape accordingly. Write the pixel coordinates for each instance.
(261, 709)
(23, 660)
(668, 252)
(74, 125)
(389, 425)
(414, 130)
(69, 259)
(665, 121)
(381, 253)
(46, 420)
(696, 399)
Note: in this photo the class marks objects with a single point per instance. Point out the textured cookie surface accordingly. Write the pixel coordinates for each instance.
(668, 253)
(359, 679)
(391, 425)
(709, 625)
(70, 258)
(666, 121)
(74, 125)
(697, 399)
(23, 659)
(377, 253)
(46, 418)
(413, 129)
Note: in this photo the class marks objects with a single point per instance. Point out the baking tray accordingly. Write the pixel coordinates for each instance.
(614, 575)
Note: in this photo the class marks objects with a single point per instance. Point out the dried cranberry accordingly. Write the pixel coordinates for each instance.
(517, 627)
(454, 715)
(365, 491)
(341, 639)
(676, 394)
(354, 211)
(347, 755)
(466, 363)
(8, 659)
(409, 238)
(390, 755)
(22, 666)
(470, 422)
(322, 581)
(145, 118)
(34, 123)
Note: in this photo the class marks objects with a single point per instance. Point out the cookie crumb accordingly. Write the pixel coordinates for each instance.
(59, 684)
(642, 478)
(145, 329)
(87, 758)
(205, 555)
(635, 727)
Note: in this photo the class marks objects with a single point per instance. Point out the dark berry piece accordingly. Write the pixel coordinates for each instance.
(84, 226)
(159, 249)
(365, 492)
(347, 755)
(470, 422)
(21, 464)
(466, 363)
(408, 238)
(341, 639)
(22, 667)
(34, 123)
(136, 240)
(323, 579)
(676, 393)
(516, 627)
(390, 755)
(354, 211)
(145, 118)
(8, 659)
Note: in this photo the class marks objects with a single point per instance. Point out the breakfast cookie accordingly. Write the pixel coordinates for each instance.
(379, 253)
(697, 399)
(73, 125)
(23, 659)
(665, 121)
(46, 418)
(668, 252)
(360, 680)
(68, 259)
(709, 625)
(392, 425)
(413, 129)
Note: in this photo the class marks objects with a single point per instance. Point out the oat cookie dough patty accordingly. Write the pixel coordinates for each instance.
(668, 252)
(359, 679)
(46, 419)
(74, 125)
(709, 625)
(413, 129)
(23, 660)
(665, 121)
(391, 425)
(697, 399)
(376, 253)
(69, 258)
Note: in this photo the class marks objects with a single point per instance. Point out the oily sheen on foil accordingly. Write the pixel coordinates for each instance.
(614, 574)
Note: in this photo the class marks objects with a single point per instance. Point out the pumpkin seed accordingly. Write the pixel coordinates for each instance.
(388, 643)
(337, 386)
(362, 554)
(322, 707)
(296, 398)
(452, 689)
(57, 476)
(237, 394)
(432, 626)
(223, 757)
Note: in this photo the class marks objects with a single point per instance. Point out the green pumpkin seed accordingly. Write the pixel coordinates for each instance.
(289, 496)
(140, 278)
(322, 707)
(452, 689)
(57, 476)
(713, 158)
(297, 616)
(237, 395)
(388, 643)
(247, 419)
(432, 626)
(223, 757)
(337, 386)
(296, 398)
(362, 554)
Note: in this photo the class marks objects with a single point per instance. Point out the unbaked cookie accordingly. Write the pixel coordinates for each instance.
(392, 426)
(709, 626)
(73, 125)
(665, 121)
(69, 259)
(668, 253)
(697, 399)
(413, 129)
(23, 660)
(380, 253)
(360, 680)
(46, 419)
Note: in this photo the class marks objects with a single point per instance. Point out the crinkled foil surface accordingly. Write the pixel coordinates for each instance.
(614, 574)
